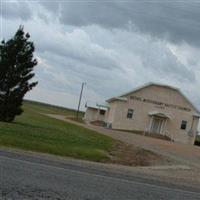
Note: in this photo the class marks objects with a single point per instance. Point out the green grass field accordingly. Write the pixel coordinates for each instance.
(49, 109)
(36, 132)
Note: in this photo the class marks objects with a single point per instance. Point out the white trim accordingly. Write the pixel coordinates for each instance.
(156, 113)
(97, 108)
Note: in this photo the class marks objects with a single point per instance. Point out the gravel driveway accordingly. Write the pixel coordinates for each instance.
(187, 154)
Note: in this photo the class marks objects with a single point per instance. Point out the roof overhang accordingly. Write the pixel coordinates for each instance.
(117, 99)
(102, 106)
(97, 106)
(160, 114)
(196, 115)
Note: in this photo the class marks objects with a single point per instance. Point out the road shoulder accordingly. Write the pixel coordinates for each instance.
(179, 176)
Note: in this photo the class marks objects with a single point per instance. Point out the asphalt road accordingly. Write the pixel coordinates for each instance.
(27, 178)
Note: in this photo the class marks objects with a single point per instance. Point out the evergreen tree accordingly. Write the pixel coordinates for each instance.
(16, 70)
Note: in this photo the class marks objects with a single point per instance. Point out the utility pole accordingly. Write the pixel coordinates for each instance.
(79, 103)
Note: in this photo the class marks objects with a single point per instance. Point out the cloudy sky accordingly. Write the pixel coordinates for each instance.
(113, 46)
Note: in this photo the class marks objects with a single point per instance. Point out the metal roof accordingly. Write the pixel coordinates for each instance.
(95, 105)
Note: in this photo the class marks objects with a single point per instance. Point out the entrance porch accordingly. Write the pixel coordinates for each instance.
(158, 123)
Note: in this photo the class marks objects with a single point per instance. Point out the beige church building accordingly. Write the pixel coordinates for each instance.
(152, 108)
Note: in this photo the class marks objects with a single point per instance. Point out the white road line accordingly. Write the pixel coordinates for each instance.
(102, 176)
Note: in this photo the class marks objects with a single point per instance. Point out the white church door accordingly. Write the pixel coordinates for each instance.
(157, 125)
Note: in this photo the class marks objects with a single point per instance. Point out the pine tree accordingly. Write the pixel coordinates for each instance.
(16, 70)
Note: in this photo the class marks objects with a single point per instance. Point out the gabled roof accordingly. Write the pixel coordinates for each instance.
(122, 96)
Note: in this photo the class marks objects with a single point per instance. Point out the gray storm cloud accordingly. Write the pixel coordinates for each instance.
(15, 9)
(176, 22)
(113, 46)
(173, 21)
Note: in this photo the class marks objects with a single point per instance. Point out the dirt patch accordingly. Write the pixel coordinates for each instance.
(98, 123)
(153, 135)
(158, 136)
(125, 154)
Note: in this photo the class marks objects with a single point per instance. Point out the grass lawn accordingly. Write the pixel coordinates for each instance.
(36, 132)
(49, 109)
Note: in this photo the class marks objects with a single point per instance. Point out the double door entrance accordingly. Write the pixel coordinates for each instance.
(157, 125)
